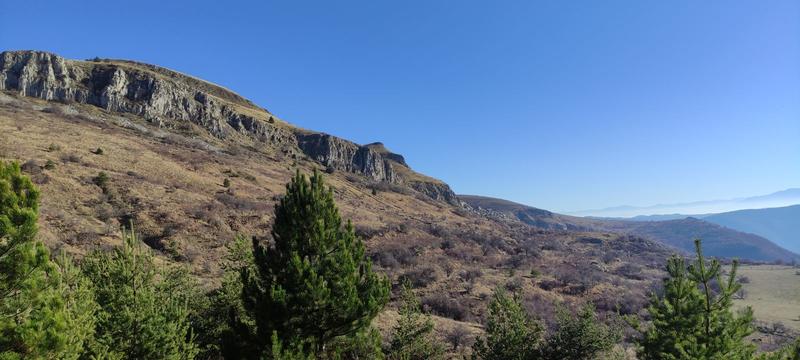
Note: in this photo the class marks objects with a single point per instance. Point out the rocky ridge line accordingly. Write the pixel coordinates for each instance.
(168, 99)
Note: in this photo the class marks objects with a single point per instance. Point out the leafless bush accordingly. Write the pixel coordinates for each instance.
(460, 252)
(385, 259)
(87, 238)
(405, 256)
(624, 302)
(442, 305)
(553, 245)
(458, 337)
(367, 232)
(630, 271)
(420, 277)
(439, 231)
(741, 294)
(515, 284)
(70, 158)
(234, 202)
(471, 275)
(516, 261)
(31, 167)
(531, 249)
(549, 284)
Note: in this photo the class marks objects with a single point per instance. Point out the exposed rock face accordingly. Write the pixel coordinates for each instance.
(136, 89)
(437, 191)
(348, 156)
(170, 99)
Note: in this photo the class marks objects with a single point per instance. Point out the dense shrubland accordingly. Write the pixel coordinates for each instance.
(311, 292)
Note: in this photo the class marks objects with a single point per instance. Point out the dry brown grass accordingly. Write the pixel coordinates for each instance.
(173, 191)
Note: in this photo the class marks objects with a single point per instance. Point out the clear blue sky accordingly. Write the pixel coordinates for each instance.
(564, 105)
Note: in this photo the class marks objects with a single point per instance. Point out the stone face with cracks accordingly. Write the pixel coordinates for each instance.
(168, 99)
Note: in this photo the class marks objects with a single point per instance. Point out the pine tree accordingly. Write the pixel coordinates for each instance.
(692, 320)
(32, 317)
(413, 337)
(314, 283)
(81, 309)
(144, 312)
(510, 332)
(580, 337)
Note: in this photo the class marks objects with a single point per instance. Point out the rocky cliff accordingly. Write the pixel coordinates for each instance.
(348, 156)
(169, 99)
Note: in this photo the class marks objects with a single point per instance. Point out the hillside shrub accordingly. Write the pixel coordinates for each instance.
(102, 180)
(443, 305)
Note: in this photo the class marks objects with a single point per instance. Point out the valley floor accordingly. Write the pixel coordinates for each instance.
(773, 292)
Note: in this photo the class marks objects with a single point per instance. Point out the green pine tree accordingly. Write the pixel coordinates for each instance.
(81, 309)
(313, 284)
(33, 323)
(692, 320)
(413, 338)
(144, 311)
(580, 336)
(510, 332)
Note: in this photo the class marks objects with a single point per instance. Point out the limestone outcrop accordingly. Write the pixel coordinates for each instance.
(169, 99)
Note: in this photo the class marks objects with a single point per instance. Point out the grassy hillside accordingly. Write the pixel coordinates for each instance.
(170, 182)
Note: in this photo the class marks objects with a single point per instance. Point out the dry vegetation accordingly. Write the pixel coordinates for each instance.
(172, 188)
(773, 292)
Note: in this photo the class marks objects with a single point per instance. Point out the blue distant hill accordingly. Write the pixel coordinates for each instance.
(780, 225)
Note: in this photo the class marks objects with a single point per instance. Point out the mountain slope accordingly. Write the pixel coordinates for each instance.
(168, 153)
(780, 225)
(174, 101)
(679, 233)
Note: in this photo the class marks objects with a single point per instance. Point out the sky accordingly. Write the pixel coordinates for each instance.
(562, 105)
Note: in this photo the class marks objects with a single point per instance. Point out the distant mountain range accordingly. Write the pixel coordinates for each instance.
(780, 225)
(778, 199)
(721, 233)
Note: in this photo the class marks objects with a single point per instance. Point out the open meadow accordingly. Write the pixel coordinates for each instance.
(773, 292)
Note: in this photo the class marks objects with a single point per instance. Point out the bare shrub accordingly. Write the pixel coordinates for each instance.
(471, 275)
(385, 259)
(515, 261)
(232, 201)
(549, 284)
(515, 284)
(553, 245)
(87, 238)
(443, 305)
(439, 231)
(458, 337)
(405, 256)
(420, 277)
(70, 158)
(624, 302)
(367, 232)
(630, 271)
